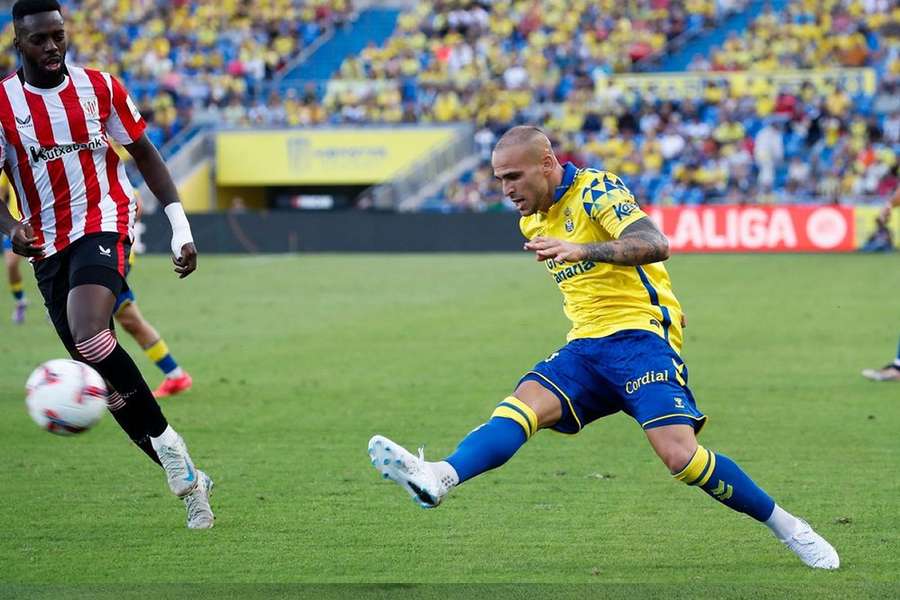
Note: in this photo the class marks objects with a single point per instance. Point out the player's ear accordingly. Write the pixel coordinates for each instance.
(547, 164)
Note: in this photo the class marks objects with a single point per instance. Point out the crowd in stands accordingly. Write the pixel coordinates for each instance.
(187, 58)
(717, 149)
(806, 34)
(764, 142)
(483, 60)
(497, 63)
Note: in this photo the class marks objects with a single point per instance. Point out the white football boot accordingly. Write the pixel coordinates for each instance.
(812, 548)
(173, 454)
(889, 372)
(420, 479)
(199, 513)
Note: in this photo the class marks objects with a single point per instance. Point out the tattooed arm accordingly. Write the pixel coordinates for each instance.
(641, 243)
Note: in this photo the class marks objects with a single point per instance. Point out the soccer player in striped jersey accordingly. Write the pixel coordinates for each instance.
(78, 209)
(11, 259)
(891, 371)
(623, 351)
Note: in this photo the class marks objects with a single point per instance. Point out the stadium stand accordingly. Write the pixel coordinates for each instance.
(500, 63)
(485, 61)
(195, 58)
(736, 141)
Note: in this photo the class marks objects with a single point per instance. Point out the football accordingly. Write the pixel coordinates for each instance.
(65, 397)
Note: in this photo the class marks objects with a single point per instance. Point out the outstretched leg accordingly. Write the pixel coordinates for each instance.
(488, 446)
(724, 480)
(89, 311)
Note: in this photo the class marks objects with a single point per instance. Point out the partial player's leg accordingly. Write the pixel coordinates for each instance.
(89, 308)
(724, 480)
(52, 275)
(129, 316)
(89, 279)
(889, 372)
(651, 381)
(486, 447)
(15, 282)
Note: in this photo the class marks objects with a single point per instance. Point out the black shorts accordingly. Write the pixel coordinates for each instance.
(98, 258)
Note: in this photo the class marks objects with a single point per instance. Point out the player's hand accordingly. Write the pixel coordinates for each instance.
(187, 262)
(24, 242)
(546, 248)
(885, 214)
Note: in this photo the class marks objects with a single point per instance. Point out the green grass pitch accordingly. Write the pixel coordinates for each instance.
(298, 360)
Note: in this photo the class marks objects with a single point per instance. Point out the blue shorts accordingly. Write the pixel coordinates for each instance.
(634, 371)
(124, 298)
(7, 243)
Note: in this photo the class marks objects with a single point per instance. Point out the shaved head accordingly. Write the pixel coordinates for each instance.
(524, 162)
(530, 138)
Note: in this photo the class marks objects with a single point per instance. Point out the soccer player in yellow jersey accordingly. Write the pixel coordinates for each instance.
(891, 371)
(623, 351)
(14, 275)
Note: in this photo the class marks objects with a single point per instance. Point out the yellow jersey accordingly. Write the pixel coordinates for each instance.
(7, 187)
(598, 298)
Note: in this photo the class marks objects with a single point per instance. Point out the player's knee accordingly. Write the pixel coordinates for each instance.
(676, 455)
(83, 332)
(128, 321)
(542, 401)
(676, 458)
(513, 409)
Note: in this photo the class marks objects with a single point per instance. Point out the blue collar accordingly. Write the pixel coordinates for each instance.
(569, 173)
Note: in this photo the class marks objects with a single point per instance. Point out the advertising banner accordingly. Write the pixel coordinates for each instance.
(339, 156)
(692, 85)
(757, 228)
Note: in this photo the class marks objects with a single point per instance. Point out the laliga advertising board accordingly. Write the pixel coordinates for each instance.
(757, 228)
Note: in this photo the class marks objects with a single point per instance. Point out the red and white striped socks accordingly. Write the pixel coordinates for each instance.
(97, 348)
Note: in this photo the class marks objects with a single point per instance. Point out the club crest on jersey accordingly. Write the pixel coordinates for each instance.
(570, 226)
(90, 106)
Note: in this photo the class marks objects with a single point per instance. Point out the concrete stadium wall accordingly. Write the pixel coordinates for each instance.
(755, 228)
(338, 231)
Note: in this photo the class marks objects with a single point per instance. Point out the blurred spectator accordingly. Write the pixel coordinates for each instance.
(768, 151)
(881, 239)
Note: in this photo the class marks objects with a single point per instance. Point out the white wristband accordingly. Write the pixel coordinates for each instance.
(181, 229)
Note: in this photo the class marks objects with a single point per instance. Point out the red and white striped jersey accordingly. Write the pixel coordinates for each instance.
(54, 146)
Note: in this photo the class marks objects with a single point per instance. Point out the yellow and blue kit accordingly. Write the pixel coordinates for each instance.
(623, 351)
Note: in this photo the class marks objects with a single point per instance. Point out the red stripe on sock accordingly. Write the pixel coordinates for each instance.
(97, 348)
(114, 401)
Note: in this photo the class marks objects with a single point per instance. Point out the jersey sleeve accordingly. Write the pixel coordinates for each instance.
(2, 148)
(614, 206)
(125, 123)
